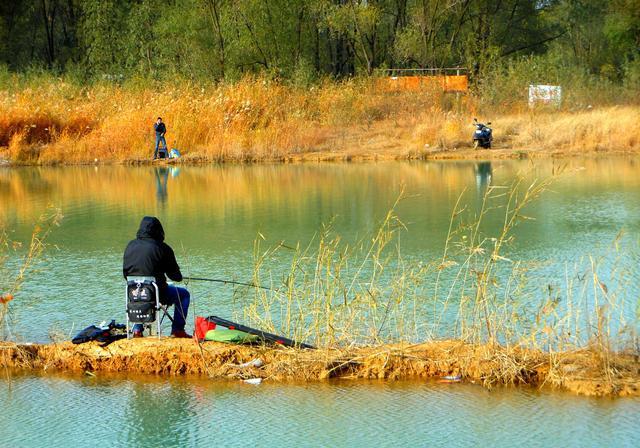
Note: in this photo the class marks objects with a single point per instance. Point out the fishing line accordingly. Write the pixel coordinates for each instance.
(227, 282)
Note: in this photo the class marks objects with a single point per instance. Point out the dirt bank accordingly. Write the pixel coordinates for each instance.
(499, 152)
(582, 372)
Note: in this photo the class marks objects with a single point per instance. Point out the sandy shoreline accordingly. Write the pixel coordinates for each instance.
(581, 372)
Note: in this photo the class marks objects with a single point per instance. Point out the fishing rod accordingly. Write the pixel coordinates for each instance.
(226, 282)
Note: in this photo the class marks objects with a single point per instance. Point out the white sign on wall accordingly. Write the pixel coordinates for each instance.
(541, 94)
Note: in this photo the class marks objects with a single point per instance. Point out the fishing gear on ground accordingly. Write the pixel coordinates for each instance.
(104, 333)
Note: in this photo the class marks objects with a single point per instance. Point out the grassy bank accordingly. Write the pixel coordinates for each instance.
(47, 121)
(488, 365)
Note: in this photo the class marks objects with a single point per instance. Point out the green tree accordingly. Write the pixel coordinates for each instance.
(102, 32)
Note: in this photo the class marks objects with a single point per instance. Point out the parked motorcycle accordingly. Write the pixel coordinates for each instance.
(482, 136)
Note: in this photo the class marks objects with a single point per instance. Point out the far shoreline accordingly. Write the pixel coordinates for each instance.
(346, 156)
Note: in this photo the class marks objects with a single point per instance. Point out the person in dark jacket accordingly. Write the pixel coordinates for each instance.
(149, 255)
(160, 129)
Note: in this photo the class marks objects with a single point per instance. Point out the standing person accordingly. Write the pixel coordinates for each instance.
(149, 255)
(160, 129)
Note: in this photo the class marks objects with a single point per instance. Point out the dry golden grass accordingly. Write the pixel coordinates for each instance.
(489, 365)
(612, 128)
(543, 133)
(251, 120)
(257, 119)
(12, 277)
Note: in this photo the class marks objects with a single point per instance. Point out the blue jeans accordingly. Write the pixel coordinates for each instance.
(180, 299)
(159, 138)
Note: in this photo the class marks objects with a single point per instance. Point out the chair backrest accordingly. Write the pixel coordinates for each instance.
(142, 299)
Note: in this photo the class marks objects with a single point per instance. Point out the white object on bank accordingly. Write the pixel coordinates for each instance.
(544, 94)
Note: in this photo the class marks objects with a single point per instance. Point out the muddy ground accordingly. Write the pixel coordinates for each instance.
(584, 372)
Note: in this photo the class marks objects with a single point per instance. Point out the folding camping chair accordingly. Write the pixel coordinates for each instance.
(142, 298)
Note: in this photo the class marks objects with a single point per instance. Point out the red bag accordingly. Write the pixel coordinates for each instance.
(202, 326)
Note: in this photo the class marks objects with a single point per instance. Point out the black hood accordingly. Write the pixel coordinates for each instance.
(150, 227)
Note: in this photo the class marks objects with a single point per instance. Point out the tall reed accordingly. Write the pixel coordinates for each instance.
(338, 294)
(17, 262)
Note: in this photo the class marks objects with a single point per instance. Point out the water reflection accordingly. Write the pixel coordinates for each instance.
(347, 190)
(162, 176)
(483, 174)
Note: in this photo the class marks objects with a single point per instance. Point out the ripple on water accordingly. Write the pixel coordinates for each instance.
(60, 411)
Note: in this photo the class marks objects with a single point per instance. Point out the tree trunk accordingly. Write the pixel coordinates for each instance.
(49, 16)
(214, 14)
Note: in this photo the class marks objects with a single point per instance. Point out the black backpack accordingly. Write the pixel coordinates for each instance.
(141, 302)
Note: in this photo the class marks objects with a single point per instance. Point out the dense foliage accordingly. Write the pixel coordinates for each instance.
(302, 39)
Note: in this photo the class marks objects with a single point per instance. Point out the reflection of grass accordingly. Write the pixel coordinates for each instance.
(336, 296)
(12, 277)
(249, 188)
(50, 121)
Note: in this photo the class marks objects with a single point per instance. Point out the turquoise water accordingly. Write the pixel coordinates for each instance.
(74, 411)
(212, 216)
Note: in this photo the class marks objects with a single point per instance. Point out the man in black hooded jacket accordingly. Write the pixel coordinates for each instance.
(149, 255)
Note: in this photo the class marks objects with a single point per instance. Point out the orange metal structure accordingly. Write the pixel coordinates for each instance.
(448, 83)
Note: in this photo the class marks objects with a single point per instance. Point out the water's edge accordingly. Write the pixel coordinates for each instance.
(486, 364)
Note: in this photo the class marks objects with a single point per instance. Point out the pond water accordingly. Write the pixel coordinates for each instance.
(212, 215)
(74, 411)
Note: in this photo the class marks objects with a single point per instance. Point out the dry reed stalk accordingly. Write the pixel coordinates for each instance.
(343, 296)
(13, 277)
(258, 119)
